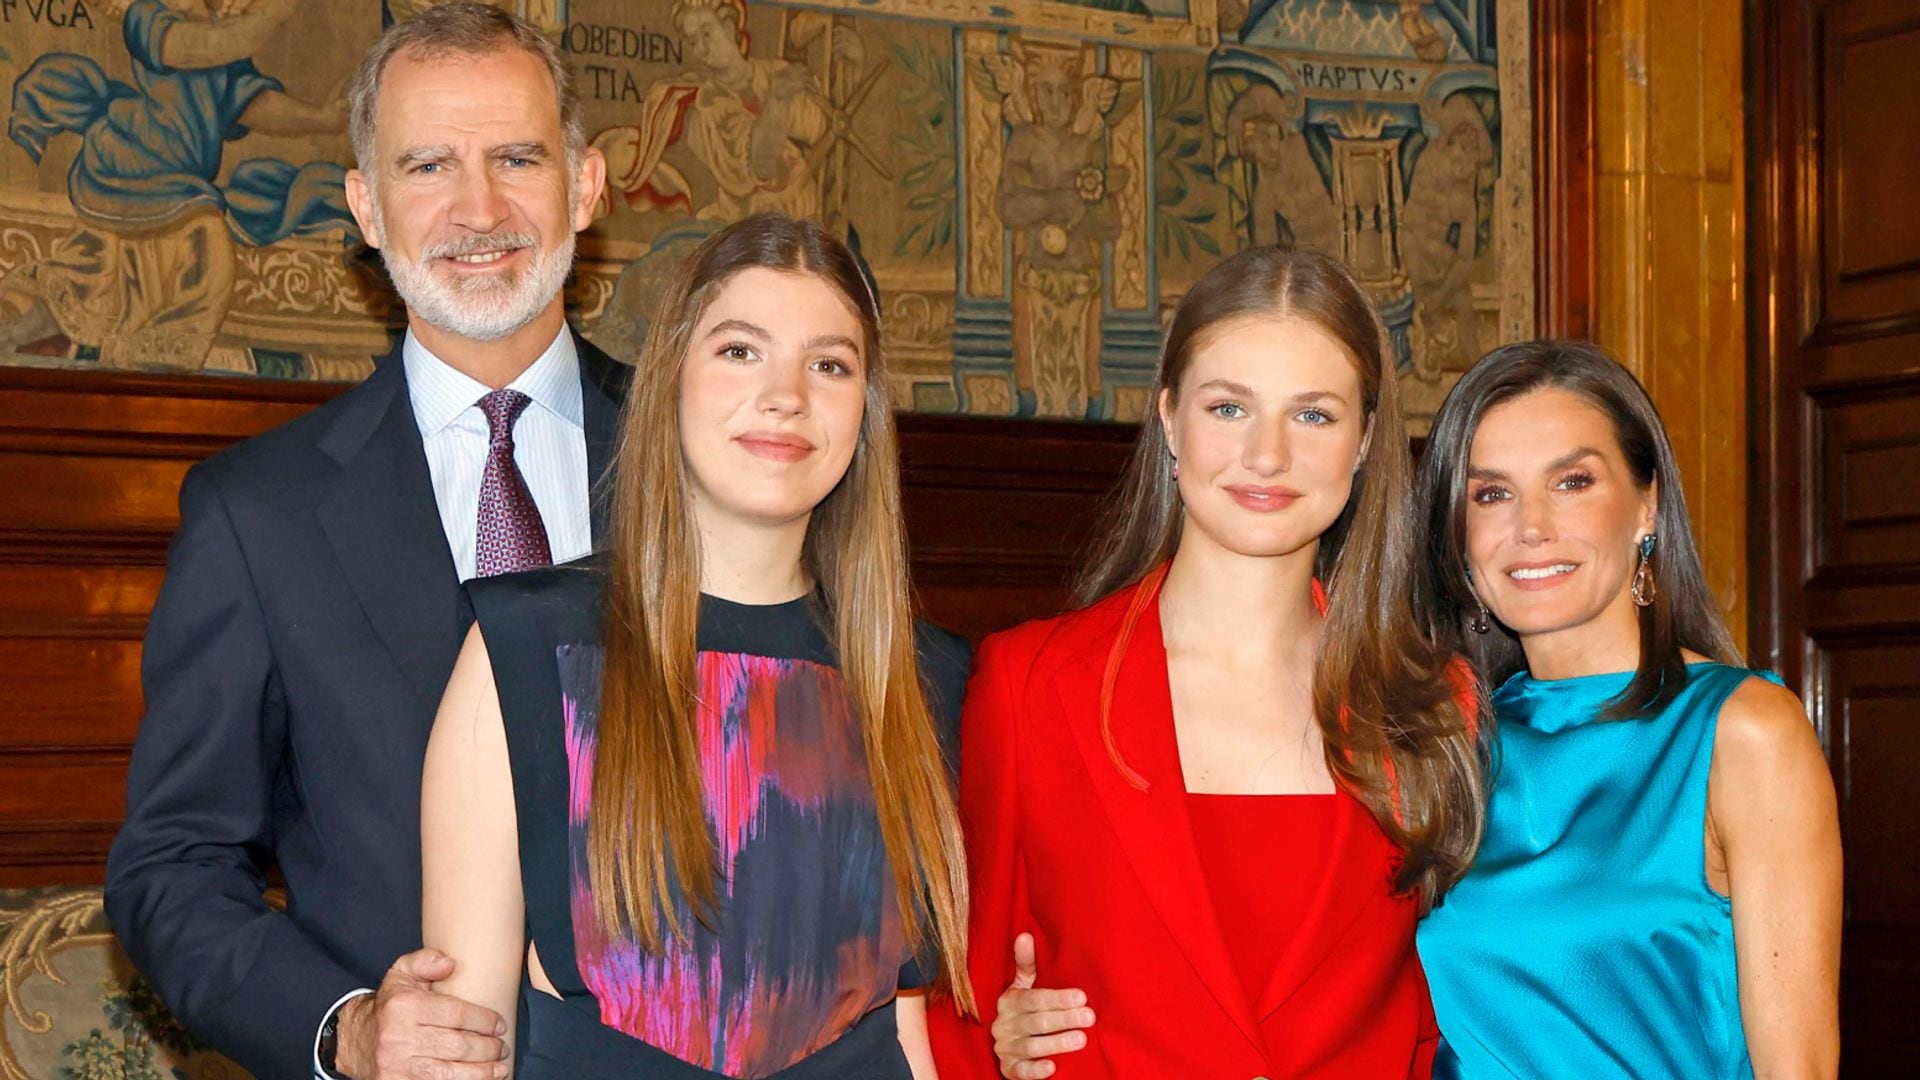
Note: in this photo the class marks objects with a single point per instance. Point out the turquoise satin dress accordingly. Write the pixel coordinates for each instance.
(1586, 942)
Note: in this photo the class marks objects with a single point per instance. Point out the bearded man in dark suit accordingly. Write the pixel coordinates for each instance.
(312, 606)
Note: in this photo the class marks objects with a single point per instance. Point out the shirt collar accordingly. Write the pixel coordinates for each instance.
(440, 393)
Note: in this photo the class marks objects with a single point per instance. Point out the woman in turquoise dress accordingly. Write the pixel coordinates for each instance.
(1658, 890)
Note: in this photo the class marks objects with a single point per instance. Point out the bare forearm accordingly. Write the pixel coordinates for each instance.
(1792, 1021)
(910, 1014)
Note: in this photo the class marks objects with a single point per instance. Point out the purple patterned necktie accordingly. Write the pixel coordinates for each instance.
(511, 535)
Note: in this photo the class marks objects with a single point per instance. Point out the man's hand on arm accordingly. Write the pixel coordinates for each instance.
(1032, 1025)
(406, 1029)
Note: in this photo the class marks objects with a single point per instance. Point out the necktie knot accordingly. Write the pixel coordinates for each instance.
(502, 408)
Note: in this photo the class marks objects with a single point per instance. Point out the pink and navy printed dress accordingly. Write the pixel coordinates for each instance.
(797, 976)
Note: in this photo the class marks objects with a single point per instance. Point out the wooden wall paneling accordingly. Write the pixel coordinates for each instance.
(1867, 518)
(91, 467)
(1873, 700)
(999, 512)
(1835, 403)
(1870, 239)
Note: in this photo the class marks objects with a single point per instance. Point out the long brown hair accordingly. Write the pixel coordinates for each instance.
(647, 835)
(1386, 698)
(1683, 614)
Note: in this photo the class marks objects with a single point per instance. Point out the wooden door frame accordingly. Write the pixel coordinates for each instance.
(1781, 225)
(1565, 168)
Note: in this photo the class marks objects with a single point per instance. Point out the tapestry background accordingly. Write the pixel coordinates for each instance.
(1033, 183)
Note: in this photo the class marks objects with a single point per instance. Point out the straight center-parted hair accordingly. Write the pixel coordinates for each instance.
(1386, 699)
(647, 836)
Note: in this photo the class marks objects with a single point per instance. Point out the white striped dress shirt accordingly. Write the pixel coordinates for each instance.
(549, 446)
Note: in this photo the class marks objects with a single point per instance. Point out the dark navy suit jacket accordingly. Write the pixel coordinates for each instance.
(310, 617)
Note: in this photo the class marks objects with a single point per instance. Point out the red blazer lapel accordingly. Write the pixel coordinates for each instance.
(1155, 833)
(1333, 911)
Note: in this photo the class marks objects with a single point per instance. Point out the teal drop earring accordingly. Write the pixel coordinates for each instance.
(1643, 585)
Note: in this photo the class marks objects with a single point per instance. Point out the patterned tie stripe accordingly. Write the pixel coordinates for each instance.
(511, 535)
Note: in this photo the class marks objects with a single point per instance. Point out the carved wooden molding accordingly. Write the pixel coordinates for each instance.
(1564, 207)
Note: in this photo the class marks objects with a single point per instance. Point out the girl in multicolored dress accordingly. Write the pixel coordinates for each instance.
(686, 800)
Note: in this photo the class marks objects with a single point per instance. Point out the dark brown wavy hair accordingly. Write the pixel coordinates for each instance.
(1683, 614)
(647, 834)
(1400, 730)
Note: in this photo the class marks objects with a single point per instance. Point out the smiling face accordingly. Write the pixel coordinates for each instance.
(1268, 428)
(1554, 519)
(471, 200)
(772, 394)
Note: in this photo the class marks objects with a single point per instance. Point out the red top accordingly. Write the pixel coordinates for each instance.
(1269, 867)
(1111, 878)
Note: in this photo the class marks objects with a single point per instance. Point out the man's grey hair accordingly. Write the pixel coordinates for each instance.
(462, 28)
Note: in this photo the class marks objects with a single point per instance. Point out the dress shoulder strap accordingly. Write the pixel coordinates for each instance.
(534, 622)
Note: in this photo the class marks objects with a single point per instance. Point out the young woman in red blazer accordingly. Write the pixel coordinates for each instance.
(1219, 795)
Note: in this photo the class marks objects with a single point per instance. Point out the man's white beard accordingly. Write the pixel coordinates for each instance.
(479, 308)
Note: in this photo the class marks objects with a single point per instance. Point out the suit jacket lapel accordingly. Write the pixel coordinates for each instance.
(1153, 826)
(603, 392)
(1323, 926)
(384, 525)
